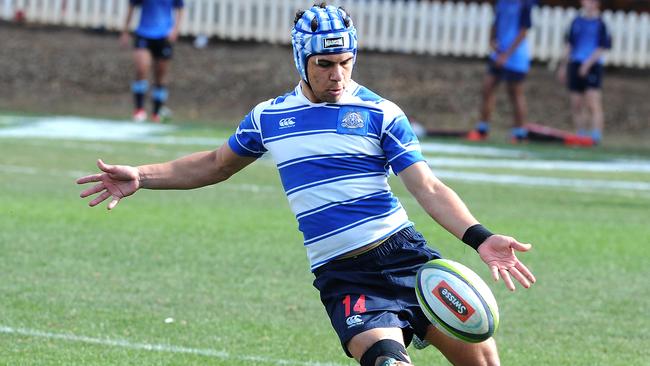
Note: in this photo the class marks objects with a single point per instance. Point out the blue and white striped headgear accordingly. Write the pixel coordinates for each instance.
(322, 30)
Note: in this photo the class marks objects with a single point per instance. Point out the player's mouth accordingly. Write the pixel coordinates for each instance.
(336, 92)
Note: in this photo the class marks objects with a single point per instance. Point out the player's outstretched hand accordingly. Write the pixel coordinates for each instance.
(498, 252)
(115, 181)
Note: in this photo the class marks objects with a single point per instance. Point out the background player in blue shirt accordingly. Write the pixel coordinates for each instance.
(157, 30)
(581, 68)
(509, 62)
(334, 143)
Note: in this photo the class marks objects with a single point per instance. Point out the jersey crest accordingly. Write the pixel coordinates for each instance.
(353, 121)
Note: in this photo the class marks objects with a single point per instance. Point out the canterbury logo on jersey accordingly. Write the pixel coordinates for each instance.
(287, 122)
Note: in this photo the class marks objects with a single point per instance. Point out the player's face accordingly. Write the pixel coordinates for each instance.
(590, 5)
(329, 75)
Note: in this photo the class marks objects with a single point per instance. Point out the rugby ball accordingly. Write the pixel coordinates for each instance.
(456, 300)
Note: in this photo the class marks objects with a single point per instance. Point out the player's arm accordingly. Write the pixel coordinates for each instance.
(178, 16)
(192, 171)
(438, 200)
(604, 43)
(562, 64)
(447, 209)
(124, 36)
(525, 23)
(494, 44)
(591, 60)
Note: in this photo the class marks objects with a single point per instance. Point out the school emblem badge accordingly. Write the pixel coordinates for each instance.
(353, 119)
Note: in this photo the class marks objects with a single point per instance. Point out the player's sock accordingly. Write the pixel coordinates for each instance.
(389, 362)
(419, 343)
(596, 136)
(518, 134)
(159, 96)
(139, 89)
(483, 127)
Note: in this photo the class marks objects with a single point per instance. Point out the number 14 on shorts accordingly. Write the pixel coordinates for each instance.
(359, 306)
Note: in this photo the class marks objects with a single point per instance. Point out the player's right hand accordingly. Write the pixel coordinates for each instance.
(115, 181)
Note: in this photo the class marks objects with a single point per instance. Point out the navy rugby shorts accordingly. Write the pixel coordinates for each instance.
(592, 80)
(376, 289)
(160, 48)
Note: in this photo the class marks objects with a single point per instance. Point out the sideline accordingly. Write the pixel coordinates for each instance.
(158, 347)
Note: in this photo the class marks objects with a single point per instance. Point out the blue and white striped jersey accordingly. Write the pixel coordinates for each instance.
(334, 161)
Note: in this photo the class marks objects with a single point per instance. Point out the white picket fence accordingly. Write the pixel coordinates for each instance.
(422, 27)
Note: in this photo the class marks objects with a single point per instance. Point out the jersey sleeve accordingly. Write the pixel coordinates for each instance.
(135, 2)
(604, 39)
(568, 36)
(525, 18)
(247, 140)
(399, 142)
(178, 4)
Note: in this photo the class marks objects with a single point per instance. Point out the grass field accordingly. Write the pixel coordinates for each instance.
(85, 286)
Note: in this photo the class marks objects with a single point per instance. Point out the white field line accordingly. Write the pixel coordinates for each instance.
(617, 166)
(206, 352)
(578, 184)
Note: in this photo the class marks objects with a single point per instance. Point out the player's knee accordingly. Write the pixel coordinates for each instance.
(384, 350)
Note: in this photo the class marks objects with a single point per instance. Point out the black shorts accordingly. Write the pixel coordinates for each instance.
(505, 74)
(376, 288)
(160, 48)
(578, 84)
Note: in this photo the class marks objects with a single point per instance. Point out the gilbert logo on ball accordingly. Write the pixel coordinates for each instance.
(457, 301)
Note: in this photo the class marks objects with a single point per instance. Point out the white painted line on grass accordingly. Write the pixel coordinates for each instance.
(578, 184)
(524, 164)
(206, 352)
(460, 149)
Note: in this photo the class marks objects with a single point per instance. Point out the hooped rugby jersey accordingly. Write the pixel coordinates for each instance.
(334, 161)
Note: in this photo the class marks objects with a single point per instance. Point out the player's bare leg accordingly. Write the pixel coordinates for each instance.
(488, 98)
(362, 342)
(520, 110)
(518, 101)
(490, 84)
(464, 353)
(594, 104)
(142, 61)
(159, 95)
(579, 112)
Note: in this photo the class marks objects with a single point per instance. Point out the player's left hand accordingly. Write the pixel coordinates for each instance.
(173, 36)
(501, 60)
(584, 70)
(498, 252)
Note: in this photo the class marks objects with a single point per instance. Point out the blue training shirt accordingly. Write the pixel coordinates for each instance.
(334, 161)
(511, 16)
(585, 35)
(156, 18)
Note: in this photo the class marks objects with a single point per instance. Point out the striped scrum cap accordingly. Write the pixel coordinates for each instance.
(322, 30)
